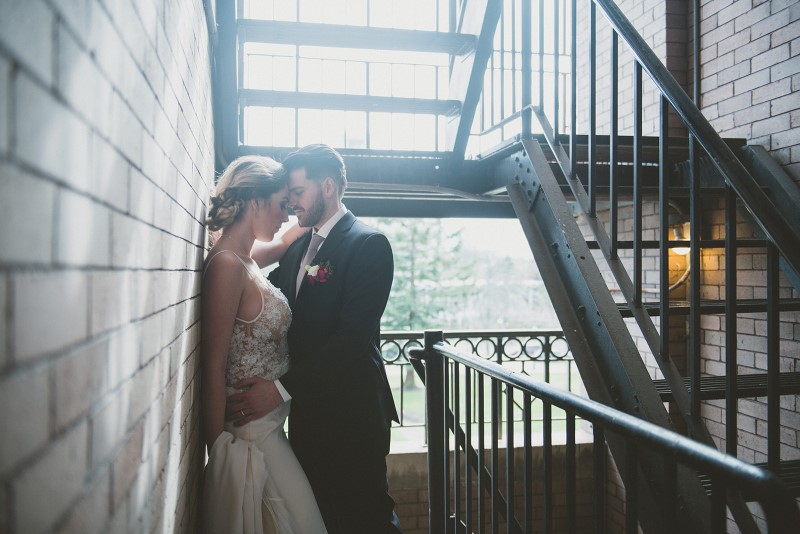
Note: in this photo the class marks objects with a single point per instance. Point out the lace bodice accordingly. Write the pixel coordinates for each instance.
(259, 347)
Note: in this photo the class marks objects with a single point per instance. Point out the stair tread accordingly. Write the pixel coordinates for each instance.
(750, 385)
(712, 307)
(789, 474)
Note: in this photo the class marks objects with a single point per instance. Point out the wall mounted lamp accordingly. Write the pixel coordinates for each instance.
(680, 231)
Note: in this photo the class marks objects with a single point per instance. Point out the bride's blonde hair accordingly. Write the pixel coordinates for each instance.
(246, 178)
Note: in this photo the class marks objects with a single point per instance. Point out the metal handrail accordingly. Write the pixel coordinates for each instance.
(780, 508)
(779, 231)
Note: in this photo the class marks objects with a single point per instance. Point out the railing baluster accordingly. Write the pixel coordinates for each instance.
(481, 454)
(614, 140)
(637, 184)
(447, 398)
(509, 458)
(541, 55)
(718, 520)
(528, 460)
(502, 60)
(731, 353)
(599, 474)
(456, 453)
(631, 488)
(527, 71)
(663, 201)
(468, 467)
(670, 493)
(437, 457)
(495, 410)
(592, 110)
(570, 474)
(548, 466)
(573, 113)
(556, 28)
(773, 361)
(694, 282)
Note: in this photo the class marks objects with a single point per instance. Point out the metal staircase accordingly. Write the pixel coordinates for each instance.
(551, 178)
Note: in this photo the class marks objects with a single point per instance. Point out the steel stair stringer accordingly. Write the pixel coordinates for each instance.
(604, 351)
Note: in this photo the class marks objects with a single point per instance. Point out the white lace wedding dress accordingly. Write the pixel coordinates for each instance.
(253, 481)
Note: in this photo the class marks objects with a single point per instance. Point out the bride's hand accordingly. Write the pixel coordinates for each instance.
(258, 399)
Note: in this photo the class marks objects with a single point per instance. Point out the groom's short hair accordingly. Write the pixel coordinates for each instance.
(320, 162)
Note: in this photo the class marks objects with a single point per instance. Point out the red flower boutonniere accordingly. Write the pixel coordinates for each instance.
(319, 273)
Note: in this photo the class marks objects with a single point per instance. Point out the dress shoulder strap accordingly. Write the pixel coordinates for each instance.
(208, 262)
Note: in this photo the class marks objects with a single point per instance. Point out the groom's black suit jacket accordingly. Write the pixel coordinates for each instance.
(337, 378)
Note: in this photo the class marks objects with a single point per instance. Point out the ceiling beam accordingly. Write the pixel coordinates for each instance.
(333, 35)
(479, 18)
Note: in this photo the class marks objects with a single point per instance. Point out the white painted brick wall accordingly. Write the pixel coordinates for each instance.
(106, 159)
(748, 77)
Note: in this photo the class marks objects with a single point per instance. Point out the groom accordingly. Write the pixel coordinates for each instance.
(337, 280)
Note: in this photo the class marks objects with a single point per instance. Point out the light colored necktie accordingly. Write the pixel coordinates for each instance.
(313, 247)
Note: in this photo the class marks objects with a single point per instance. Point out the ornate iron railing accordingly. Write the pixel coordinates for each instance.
(541, 354)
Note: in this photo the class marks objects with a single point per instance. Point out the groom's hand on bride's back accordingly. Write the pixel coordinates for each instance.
(257, 398)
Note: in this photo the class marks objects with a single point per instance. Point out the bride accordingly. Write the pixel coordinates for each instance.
(253, 482)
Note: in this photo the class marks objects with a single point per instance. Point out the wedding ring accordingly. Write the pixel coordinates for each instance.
(243, 414)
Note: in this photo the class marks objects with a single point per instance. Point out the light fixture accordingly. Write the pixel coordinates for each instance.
(679, 231)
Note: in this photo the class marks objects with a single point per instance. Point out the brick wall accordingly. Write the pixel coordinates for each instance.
(663, 25)
(408, 479)
(750, 74)
(751, 345)
(106, 156)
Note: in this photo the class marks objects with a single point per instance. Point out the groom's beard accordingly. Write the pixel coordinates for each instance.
(314, 213)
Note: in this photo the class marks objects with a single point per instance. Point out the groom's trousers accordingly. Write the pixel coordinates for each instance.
(349, 482)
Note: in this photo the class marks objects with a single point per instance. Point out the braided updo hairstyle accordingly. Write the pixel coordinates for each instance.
(246, 178)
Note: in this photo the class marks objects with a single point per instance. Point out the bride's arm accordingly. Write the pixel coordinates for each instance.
(223, 284)
(267, 253)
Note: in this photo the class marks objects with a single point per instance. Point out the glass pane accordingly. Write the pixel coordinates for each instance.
(444, 83)
(424, 81)
(333, 76)
(425, 11)
(424, 132)
(402, 131)
(380, 79)
(356, 129)
(258, 9)
(356, 78)
(357, 12)
(442, 145)
(284, 74)
(403, 80)
(286, 10)
(335, 12)
(283, 127)
(380, 131)
(258, 72)
(402, 16)
(333, 127)
(312, 10)
(258, 126)
(308, 128)
(311, 75)
(380, 13)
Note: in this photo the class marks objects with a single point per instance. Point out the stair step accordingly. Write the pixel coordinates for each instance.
(704, 243)
(712, 307)
(754, 385)
(789, 475)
